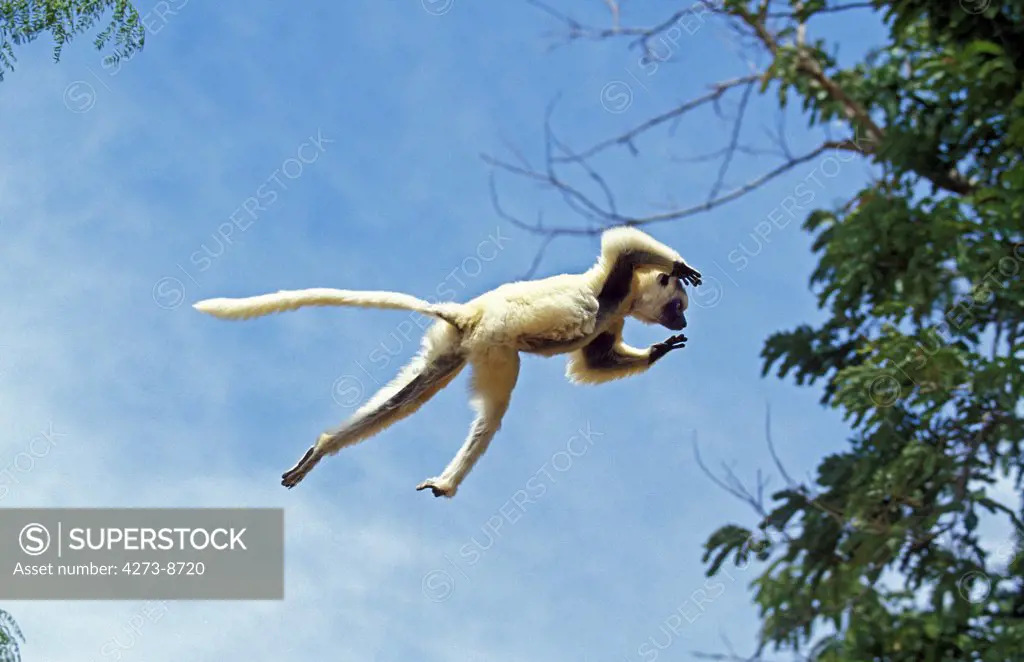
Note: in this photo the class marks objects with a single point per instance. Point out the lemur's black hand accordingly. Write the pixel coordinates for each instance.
(662, 348)
(686, 273)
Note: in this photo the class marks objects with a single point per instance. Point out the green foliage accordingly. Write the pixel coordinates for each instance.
(22, 21)
(922, 277)
(9, 636)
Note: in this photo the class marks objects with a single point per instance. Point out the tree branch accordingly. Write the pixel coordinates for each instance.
(733, 141)
(752, 24)
(576, 30)
(856, 113)
(835, 9)
(717, 90)
(609, 218)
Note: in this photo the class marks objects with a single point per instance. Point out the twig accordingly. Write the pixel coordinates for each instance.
(733, 141)
(611, 219)
(627, 138)
(823, 10)
(741, 149)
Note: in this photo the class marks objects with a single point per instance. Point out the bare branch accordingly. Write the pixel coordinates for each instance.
(801, 488)
(536, 228)
(733, 141)
(569, 192)
(739, 494)
(740, 149)
(576, 30)
(855, 112)
(518, 154)
(539, 226)
(771, 445)
(755, 23)
(580, 161)
(781, 134)
(824, 10)
(651, 33)
(735, 487)
(610, 218)
(627, 138)
(537, 258)
(575, 200)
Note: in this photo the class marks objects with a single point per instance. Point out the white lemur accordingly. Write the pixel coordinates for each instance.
(577, 314)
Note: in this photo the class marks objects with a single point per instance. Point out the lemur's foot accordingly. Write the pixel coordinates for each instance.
(438, 487)
(662, 348)
(687, 274)
(293, 476)
(313, 455)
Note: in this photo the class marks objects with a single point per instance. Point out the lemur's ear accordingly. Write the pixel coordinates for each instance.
(663, 279)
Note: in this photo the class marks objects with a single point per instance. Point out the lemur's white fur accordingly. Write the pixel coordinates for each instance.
(283, 300)
(577, 314)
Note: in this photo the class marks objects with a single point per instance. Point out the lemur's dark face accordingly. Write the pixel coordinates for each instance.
(673, 312)
(662, 300)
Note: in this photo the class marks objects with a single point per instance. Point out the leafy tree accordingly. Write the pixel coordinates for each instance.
(22, 21)
(9, 636)
(920, 275)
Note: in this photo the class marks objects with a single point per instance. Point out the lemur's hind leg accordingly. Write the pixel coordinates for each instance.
(437, 364)
(494, 377)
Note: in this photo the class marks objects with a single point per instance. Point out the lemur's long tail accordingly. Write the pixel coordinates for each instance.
(265, 304)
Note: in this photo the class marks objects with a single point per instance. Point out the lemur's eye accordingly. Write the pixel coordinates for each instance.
(663, 279)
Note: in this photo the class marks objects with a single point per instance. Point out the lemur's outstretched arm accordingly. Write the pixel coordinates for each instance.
(629, 248)
(494, 377)
(608, 357)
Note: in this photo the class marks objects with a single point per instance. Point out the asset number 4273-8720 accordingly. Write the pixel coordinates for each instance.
(169, 568)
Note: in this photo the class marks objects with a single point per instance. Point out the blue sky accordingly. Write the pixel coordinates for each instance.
(115, 186)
